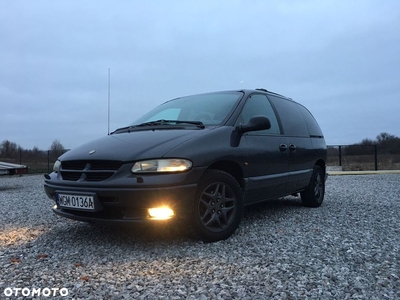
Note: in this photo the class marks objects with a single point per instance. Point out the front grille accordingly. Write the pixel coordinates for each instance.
(71, 176)
(89, 170)
(74, 164)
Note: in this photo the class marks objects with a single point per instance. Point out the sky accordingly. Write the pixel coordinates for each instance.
(341, 59)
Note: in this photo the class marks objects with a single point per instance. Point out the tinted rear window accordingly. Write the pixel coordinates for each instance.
(313, 127)
(291, 117)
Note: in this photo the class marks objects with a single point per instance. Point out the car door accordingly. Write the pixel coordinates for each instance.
(266, 167)
(300, 147)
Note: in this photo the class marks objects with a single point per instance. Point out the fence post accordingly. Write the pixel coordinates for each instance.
(376, 157)
(340, 156)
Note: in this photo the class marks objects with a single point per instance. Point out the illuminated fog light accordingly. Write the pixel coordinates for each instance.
(161, 213)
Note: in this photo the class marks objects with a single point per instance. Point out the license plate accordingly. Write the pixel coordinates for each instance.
(84, 202)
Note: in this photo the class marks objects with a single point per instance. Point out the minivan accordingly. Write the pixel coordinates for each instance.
(199, 159)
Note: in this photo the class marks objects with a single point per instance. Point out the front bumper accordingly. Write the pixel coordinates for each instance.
(127, 200)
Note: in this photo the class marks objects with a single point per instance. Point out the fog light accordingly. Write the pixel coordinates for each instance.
(161, 213)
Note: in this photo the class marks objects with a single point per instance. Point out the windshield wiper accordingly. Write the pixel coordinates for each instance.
(159, 123)
(170, 122)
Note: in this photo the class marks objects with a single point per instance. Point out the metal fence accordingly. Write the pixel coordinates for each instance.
(362, 158)
(37, 161)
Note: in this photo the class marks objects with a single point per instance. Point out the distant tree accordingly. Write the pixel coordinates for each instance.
(9, 149)
(35, 150)
(367, 142)
(384, 136)
(56, 146)
(388, 143)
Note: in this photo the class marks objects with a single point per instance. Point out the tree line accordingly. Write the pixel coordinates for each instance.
(12, 151)
(385, 143)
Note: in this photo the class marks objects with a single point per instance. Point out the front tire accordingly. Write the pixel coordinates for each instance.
(218, 207)
(315, 192)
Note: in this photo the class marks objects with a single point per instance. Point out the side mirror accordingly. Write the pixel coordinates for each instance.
(254, 124)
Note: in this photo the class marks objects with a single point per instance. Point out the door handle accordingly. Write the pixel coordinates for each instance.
(282, 147)
(292, 148)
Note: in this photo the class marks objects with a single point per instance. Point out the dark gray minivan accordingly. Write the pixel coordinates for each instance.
(199, 159)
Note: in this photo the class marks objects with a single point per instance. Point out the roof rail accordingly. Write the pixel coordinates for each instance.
(265, 90)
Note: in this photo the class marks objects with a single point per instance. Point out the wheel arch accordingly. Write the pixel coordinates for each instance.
(321, 164)
(230, 167)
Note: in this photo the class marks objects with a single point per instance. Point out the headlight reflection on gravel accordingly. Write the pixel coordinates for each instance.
(19, 236)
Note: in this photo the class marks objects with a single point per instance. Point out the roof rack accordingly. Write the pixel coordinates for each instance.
(265, 90)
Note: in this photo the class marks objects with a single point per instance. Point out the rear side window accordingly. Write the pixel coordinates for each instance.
(259, 105)
(313, 127)
(291, 117)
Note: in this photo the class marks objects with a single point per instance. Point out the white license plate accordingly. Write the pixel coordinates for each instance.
(76, 201)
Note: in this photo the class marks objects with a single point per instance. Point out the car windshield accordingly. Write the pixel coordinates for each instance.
(209, 109)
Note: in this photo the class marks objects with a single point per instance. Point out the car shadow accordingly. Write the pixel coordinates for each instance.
(271, 207)
(159, 233)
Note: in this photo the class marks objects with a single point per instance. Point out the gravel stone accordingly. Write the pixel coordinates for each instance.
(346, 249)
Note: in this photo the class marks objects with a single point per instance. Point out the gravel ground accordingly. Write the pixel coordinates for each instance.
(346, 249)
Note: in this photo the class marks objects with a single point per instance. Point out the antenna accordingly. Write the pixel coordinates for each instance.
(108, 132)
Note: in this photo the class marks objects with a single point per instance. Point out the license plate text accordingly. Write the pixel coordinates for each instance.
(76, 201)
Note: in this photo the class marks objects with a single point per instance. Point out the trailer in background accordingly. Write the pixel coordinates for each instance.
(12, 169)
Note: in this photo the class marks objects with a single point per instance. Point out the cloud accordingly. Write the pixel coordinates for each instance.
(338, 58)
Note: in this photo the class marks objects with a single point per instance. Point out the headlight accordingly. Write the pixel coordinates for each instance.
(57, 166)
(161, 165)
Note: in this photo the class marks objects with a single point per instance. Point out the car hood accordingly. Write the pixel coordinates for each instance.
(132, 146)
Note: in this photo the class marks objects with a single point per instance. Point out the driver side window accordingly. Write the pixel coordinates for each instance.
(259, 105)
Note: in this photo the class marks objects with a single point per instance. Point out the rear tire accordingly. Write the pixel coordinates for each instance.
(315, 192)
(218, 206)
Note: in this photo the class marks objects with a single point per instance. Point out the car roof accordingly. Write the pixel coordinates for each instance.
(245, 91)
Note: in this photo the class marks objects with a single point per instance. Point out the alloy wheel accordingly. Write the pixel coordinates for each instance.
(217, 206)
